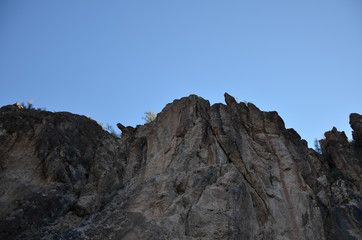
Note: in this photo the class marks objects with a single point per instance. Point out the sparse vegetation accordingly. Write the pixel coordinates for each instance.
(86, 162)
(27, 106)
(335, 174)
(109, 128)
(30, 104)
(149, 116)
(71, 151)
(317, 146)
(247, 103)
(120, 186)
(358, 149)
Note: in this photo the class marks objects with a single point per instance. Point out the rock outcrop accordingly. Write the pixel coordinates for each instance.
(356, 124)
(52, 164)
(195, 172)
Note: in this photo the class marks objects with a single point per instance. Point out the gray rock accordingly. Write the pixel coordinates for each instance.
(195, 172)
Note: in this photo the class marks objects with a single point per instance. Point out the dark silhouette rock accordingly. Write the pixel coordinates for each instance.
(126, 131)
(356, 125)
(50, 162)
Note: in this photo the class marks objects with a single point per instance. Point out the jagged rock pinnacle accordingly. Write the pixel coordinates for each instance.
(199, 172)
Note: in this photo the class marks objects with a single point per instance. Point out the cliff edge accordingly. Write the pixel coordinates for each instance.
(195, 172)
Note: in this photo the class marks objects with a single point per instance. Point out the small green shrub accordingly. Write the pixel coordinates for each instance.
(149, 116)
(335, 174)
(358, 149)
(111, 130)
(86, 161)
(120, 186)
(71, 151)
(30, 104)
(317, 146)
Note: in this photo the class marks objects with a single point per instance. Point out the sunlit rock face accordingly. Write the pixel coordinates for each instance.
(195, 172)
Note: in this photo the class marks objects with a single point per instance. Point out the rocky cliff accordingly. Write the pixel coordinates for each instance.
(195, 172)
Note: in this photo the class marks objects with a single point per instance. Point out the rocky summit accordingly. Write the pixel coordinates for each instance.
(195, 172)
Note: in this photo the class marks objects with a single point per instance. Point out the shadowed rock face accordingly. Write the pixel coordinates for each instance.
(356, 124)
(53, 164)
(196, 172)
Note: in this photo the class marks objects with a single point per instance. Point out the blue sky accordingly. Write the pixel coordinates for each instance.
(114, 60)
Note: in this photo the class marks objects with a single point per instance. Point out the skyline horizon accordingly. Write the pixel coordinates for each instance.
(113, 126)
(116, 60)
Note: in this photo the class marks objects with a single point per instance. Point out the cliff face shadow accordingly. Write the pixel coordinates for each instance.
(195, 172)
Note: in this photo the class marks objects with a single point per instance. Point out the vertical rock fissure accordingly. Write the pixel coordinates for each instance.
(187, 222)
(296, 230)
(196, 172)
(243, 175)
(12, 145)
(297, 175)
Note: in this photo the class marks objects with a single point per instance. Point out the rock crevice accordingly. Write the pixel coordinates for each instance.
(196, 172)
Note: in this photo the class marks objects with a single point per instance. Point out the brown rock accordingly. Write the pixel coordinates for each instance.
(199, 172)
(342, 156)
(356, 125)
(229, 99)
(126, 131)
(47, 160)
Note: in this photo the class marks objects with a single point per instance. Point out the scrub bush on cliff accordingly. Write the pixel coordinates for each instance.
(149, 116)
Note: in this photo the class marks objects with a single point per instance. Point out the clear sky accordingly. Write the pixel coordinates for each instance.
(114, 60)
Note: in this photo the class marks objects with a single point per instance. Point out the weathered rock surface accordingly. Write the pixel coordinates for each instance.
(51, 165)
(195, 172)
(356, 124)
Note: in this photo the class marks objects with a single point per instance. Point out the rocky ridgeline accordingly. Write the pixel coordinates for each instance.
(196, 172)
